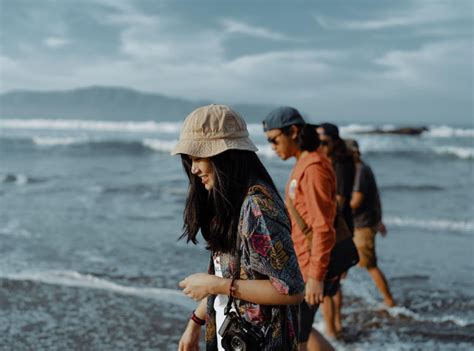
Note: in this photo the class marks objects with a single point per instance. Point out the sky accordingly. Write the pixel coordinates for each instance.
(383, 61)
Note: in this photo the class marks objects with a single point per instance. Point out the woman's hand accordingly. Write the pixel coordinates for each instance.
(190, 339)
(314, 292)
(200, 285)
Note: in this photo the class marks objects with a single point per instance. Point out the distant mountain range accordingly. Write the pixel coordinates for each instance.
(108, 103)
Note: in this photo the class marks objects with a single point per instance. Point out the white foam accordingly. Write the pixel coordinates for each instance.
(75, 279)
(19, 179)
(160, 145)
(103, 126)
(13, 228)
(356, 128)
(266, 150)
(466, 153)
(403, 311)
(357, 285)
(447, 132)
(57, 141)
(432, 224)
(255, 129)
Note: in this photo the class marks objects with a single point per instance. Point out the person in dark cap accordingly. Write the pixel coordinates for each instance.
(310, 197)
(343, 163)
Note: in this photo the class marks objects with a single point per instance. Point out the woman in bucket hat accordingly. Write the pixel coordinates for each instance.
(233, 202)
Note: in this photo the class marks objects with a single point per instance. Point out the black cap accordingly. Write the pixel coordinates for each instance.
(330, 130)
(282, 117)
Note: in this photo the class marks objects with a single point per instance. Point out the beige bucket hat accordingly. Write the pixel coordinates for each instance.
(211, 130)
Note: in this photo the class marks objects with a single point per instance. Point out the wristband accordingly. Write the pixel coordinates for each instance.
(197, 320)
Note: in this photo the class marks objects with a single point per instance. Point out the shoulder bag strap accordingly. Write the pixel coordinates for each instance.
(307, 231)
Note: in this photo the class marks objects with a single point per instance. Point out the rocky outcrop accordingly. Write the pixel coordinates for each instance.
(399, 131)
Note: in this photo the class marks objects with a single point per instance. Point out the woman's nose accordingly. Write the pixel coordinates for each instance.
(194, 168)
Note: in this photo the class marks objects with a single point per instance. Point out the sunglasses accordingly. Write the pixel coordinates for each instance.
(324, 143)
(274, 139)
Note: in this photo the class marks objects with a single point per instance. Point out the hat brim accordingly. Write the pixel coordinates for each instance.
(212, 147)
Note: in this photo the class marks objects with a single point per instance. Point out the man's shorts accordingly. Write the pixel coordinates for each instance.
(364, 240)
(305, 320)
(306, 312)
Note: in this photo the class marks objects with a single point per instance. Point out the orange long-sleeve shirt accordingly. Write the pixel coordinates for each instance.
(312, 188)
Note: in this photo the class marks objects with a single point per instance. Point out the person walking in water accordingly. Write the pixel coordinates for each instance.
(335, 148)
(249, 297)
(367, 212)
(310, 195)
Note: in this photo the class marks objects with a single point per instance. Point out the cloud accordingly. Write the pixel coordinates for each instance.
(419, 13)
(164, 52)
(437, 66)
(55, 42)
(364, 25)
(233, 26)
(154, 43)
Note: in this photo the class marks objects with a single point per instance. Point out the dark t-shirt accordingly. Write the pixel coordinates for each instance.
(345, 174)
(369, 213)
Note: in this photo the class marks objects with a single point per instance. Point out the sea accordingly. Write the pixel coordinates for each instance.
(91, 212)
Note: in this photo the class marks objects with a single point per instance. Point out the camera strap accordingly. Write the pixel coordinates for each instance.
(235, 276)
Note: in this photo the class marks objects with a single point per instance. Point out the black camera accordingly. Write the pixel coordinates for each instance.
(238, 334)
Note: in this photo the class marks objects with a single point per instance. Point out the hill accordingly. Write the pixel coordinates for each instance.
(108, 103)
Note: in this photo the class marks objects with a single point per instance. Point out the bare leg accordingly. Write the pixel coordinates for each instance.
(329, 316)
(317, 342)
(381, 283)
(337, 310)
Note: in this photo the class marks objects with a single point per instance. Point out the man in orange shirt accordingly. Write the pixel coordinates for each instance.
(311, 191)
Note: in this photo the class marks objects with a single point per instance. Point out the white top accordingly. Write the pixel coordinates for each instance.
(219, 304)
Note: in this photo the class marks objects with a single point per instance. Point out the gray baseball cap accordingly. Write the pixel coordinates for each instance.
(282, 117)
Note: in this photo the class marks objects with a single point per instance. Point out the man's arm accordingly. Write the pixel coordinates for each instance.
(357, 199)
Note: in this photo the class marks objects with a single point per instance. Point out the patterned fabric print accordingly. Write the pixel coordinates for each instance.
(266, 253)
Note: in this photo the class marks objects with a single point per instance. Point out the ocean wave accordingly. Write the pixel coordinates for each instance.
(58, 141)
(377, 146)
(412, 148)
(134, 189)
(88, 281)
(160, 145)
(174, 127)
(18, 179)
(356, 128)
(104, 126)
(405, 312)
(411, 188)
(358, 287)
(466, 153)
(448, 132)
(432, 224)
(13, 228)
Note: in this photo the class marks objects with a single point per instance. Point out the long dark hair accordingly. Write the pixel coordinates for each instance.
(340, 152)
(216, 213)
(307, 139)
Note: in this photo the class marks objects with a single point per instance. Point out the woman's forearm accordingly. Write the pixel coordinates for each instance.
(201, 309)
(260, 292)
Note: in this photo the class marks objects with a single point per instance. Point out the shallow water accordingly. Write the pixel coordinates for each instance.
(90, 215)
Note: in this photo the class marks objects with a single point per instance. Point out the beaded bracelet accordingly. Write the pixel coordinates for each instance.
(197, 320)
